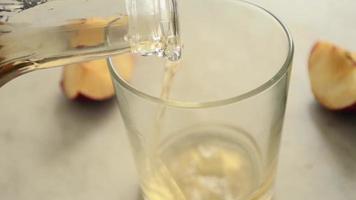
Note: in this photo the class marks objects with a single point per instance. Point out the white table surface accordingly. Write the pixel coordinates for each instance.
(52, 149)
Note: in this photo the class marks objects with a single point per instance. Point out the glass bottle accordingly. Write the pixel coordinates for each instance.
(37, 34)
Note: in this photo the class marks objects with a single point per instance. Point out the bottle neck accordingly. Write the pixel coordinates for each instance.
(154, 28)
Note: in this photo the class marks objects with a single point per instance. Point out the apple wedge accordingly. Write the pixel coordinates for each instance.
(91, 80)
(332, 72)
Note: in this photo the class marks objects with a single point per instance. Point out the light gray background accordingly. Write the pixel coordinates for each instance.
(51, 148)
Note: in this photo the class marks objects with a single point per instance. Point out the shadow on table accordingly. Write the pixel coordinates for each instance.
(78, 120)
(339, 132)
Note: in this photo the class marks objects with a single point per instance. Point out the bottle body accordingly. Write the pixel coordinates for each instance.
(49, 33)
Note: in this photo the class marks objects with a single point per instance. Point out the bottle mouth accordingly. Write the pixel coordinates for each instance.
(154, 28)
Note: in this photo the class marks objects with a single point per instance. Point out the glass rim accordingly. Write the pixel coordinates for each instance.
(234, 99)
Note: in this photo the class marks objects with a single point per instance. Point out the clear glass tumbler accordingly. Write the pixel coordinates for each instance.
(217, 135)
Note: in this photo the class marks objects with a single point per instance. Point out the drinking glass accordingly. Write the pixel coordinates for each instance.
(217, 135)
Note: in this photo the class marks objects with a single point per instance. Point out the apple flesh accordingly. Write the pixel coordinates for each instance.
(91, 80)
(332, 72)
(90, 32)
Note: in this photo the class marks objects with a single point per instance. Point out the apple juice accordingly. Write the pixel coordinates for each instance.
(205, 166)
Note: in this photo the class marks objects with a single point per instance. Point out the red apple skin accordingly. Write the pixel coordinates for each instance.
(349, 109)
(351, 57)
(91, 81)
(86, 98)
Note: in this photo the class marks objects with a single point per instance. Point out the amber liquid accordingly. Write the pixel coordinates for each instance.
(204, 165)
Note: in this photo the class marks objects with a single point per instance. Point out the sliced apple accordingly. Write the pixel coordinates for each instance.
(91, 80)
(332, 72)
